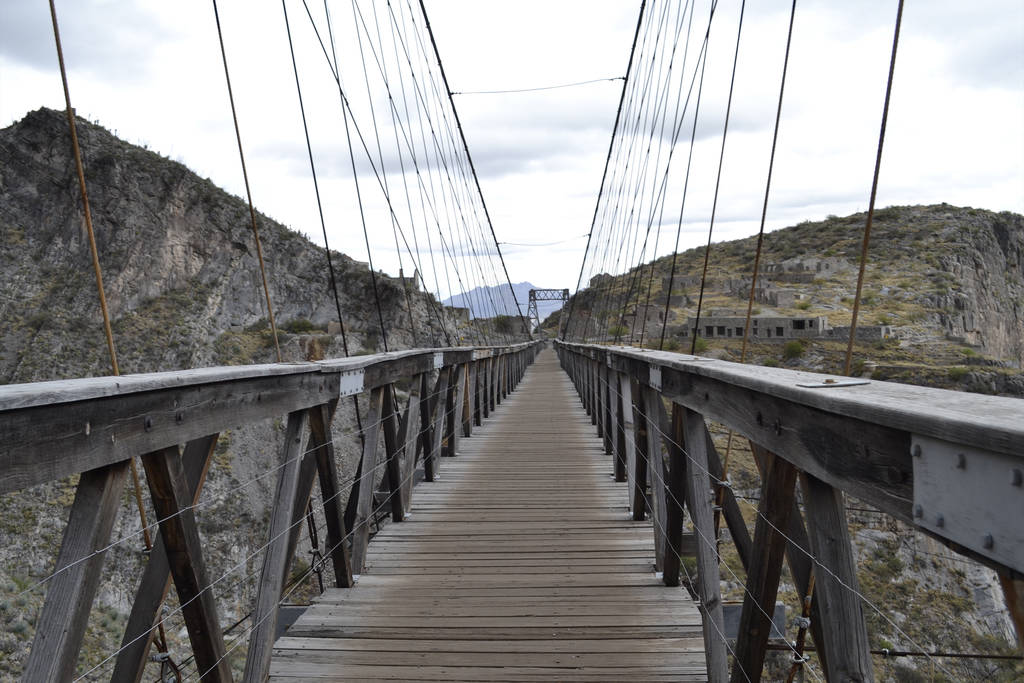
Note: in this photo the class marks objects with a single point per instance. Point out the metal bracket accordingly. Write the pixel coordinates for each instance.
(971, 496)
(829, 383)
(438, 360)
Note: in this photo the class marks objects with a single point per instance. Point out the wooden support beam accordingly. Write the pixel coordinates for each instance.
(608, 432)
(410, 437)
(303, 491)
(835, 591)
(799, 562)
(1013, 592)
(656, 424)
(156, 577)
(172, 504)
(438, 406)
(636, 475)
(453, 409)
(730, 508)
(673, 434)
(699, 498)
(69, 595)
(470, 400)
(363, 487)
(275, 557)
(393, 454)
(330, 490)
(778, 493)
(621, 411)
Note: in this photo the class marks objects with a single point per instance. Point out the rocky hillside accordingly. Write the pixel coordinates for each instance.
(947, 281)
(183, 283)
(946, 284)
(179, 265)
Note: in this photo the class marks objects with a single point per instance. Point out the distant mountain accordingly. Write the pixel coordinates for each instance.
(486, 302)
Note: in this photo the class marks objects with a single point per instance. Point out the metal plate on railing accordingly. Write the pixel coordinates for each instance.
(351, 382)
(971, 496)
(655, 378)
(438, 360)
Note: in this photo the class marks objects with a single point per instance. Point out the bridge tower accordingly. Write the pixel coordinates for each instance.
(547, 295)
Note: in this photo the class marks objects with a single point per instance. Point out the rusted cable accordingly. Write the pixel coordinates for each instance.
(874, 192)
(107, 330)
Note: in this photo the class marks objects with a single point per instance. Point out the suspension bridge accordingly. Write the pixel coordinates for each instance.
(520, 507)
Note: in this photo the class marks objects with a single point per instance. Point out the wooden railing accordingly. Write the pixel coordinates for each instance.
(947, 463)
(93, 427)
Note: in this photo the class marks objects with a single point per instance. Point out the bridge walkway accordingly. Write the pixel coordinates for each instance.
(520, 563)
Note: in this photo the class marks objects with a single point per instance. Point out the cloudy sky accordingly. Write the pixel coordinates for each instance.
(151, 71)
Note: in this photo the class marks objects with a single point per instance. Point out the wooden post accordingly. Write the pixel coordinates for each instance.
(1013, 592)
(470, 400)
(620, 425)
(479, 374)
(364, 507)
(275, 557)
(849, 653)
(172, 505)
(777, 497)
(453, 409)
(674, 436)
(437, 430)
(608, 405)
(156, 577)
(654, 410)
(61, 626)
(699, 499)
(410, 431)
(730, 508)
(637, 472)
(323, 443)
(392, 454)
(486, 402)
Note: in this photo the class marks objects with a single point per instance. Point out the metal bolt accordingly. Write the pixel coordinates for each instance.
(179, 417)
(918, 511)
(940, 521)
(1016, 478)
(148, 423)
(916, 450)
(989, 542)
(961, 461)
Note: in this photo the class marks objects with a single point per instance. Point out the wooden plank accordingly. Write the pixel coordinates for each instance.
(522, 553)
(275, 557)
(44, 443)
(156, 576)
(1013, 593)
(411, 437)
(778, 491)
(172, 504)
(469, 400)
(364, 508)
(845, 633)
(699, 497)
(659, 476)
(454, 409)
(674, 436)
(327, 471)
(69, 595)
(730, 508)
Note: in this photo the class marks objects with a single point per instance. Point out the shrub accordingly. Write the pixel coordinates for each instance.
(803, 305)
(298, 326)
(701, 345)
(671, 345)
(793, 349)
(957, 373)
(618, 330)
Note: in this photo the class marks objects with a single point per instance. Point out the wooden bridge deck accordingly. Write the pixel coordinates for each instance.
(519, 564)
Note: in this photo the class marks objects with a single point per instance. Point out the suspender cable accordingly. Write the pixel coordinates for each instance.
(768, 185)
(607, 164)
(472, 167)
(94, 252)
(714, 203)
(245, 177)
(874, 191)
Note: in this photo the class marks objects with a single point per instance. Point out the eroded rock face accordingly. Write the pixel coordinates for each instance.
(178, 259)
(183, 284)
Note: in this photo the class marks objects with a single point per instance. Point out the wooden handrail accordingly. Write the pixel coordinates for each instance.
(93, 426)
